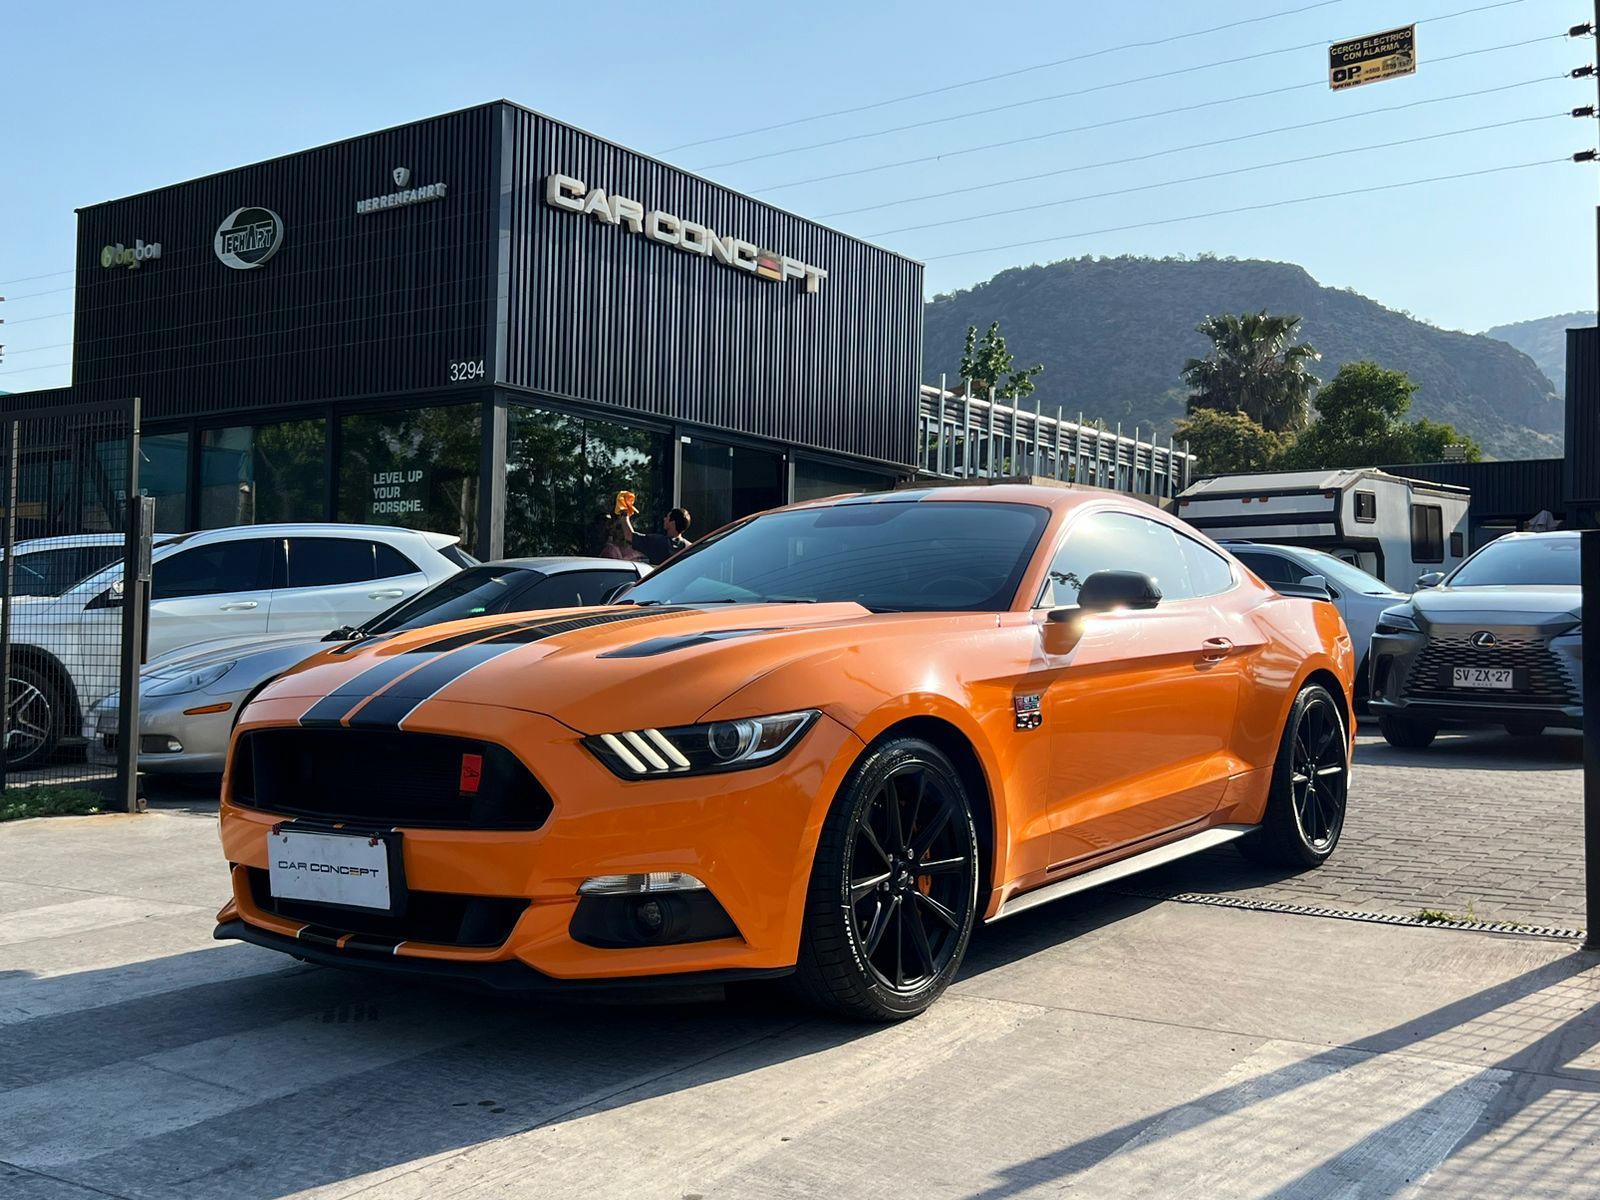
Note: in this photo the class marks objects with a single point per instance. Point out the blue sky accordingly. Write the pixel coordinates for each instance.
(104, 100)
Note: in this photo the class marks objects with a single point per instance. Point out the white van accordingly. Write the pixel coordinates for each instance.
(1395, 528)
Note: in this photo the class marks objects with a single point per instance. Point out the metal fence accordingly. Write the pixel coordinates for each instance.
(70, 630)
(963, 436)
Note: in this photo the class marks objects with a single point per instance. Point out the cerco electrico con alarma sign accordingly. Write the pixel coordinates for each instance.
(573, 195)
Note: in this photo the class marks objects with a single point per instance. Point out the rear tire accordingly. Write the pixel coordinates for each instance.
(1525, 728)
(894, 887)
(1404, 733)
(1310, 785)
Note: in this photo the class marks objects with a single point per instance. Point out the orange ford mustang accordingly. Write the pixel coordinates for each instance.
(822, 743)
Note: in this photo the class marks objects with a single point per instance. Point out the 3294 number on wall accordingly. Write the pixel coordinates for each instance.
(462, 372)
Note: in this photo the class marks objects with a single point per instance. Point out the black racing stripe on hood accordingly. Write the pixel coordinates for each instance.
(679, 641)
(386, 711)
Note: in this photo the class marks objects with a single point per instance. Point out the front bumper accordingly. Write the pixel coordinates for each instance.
(1405, 677)
(163, 721)
(750, 836)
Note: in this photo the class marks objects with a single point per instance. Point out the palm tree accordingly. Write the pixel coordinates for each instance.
(1255, 367)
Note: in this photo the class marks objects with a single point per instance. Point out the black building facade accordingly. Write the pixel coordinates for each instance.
(488, 323)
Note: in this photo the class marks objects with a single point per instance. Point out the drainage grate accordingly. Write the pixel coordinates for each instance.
(1346, 914)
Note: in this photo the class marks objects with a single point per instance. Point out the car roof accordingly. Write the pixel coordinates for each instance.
(325, 528)
(560, 564)
(1055, 496)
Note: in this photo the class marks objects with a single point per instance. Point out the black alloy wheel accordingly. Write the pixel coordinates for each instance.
(1310, 785)
(893, 895)
(32, 721)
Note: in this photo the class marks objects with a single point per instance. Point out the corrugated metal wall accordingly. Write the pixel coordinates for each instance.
(350, 305)
(1520, 488)
(1583, 416)
(599, 313)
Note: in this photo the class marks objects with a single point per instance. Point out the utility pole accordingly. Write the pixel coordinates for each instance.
(1590, 558)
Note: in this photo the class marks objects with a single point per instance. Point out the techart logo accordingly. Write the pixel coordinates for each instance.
(248, 237)
(118, 255)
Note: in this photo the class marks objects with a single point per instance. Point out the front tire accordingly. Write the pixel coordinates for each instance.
(1310, 785)
(1403, 733)
(37, 714)
(894, 887)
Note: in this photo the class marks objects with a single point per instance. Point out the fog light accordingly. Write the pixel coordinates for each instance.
(159, 743)
(650, 918)
(637, 885)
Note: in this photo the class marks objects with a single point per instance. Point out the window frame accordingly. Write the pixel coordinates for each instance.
(1371, 518)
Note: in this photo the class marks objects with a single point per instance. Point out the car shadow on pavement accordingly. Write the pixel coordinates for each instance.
(1545, 1091)
(268, 1081)
(1479, 750)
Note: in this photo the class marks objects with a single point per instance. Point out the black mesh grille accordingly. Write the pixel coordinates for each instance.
(437, 917)
(1539, 677)
(385, 777)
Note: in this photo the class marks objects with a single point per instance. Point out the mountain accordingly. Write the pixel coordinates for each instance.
(1545, 341)
(1113, 334)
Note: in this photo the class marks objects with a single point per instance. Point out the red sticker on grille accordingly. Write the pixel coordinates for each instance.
(471, 773)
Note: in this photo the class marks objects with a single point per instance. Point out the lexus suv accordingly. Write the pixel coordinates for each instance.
(1497, 641)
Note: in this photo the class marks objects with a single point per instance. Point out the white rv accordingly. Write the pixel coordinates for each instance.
(1391, 527)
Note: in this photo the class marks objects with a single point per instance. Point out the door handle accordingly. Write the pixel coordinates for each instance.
(240, 605)
(386, 594)
(1215, 649)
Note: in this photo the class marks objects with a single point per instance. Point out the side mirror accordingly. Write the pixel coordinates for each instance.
(110, 598)
(1430, 579)
(616, 593)
(1105, 591)
(1309, 587)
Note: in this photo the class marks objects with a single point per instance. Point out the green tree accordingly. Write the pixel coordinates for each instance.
(1255, 367)
(988, 364)
(1361, 422)
(1229, 442)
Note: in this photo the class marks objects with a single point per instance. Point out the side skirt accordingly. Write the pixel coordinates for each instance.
(1217, 835)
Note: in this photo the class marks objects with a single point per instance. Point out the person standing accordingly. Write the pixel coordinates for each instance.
(658, 547)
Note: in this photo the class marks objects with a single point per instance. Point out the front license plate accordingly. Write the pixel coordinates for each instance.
(1482, 677)
(350, 870)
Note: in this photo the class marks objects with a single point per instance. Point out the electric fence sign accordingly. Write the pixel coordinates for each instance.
(1373, 59)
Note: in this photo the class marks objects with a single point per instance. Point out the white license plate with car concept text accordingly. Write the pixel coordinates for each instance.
(351, 870)
(1482, 677)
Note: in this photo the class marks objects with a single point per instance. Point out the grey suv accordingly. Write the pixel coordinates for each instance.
(1497, 641)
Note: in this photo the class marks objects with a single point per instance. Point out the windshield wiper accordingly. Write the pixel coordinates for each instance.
(346, 633)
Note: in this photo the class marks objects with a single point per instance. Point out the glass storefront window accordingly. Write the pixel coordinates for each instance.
(163, 473)
(255, 474)
(814, 479)
(563, 474)
(722, 483)
(416, 467)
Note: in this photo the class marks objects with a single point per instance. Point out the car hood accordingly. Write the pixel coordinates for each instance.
(1499, 605)
(205, 654)
(602, 669)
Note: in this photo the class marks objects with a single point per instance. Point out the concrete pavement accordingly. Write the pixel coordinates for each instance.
(1107, 1046)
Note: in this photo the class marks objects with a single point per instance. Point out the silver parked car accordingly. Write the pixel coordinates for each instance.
(1497, 641)
(1359, 597)
(189, 700)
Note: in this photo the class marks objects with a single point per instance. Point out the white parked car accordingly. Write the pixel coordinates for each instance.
(216, 586)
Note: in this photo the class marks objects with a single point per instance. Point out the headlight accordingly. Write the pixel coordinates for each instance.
(1396, 620)
(700, 749)
(187, 681)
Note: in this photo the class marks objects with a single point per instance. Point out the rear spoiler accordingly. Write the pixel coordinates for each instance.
(1312, 587)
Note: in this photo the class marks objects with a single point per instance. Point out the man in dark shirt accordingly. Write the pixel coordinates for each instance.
(658, 547)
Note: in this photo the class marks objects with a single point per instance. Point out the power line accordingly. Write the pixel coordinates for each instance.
(1099, 87)
(1044, 66)
(1564, 114)
(1224, 212)
(1132, 158)
(1167, 111)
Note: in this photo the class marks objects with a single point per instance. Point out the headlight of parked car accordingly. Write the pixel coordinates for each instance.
(185, 682)
(1396, 620)
(700, 749)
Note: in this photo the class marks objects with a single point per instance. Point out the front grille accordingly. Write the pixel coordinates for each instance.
(387, 778)
(1538, 675)
(441, 918)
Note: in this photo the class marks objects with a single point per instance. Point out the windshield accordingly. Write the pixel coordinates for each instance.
(1521, 562)
(54, 572)
(1342, 574)
(475, 592)
(888, 556)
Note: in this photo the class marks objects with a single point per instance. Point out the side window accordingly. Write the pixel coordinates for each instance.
(1458, 544)
(1427, 533)
(217, 569)
(573, 588)
(1209, 572)
(392, 563)
(1115, 541)
(1366, 507)
(1270, 567)
(327, 562)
